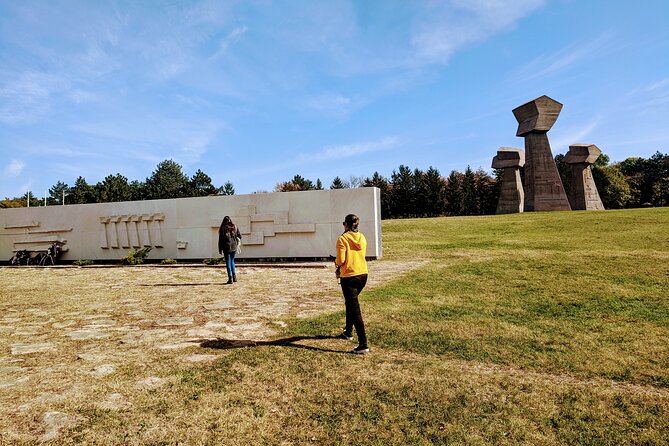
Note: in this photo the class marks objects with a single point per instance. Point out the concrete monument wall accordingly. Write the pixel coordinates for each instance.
(273, 225)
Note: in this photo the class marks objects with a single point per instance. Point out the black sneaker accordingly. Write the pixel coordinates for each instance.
(344, 335)
(360, 350)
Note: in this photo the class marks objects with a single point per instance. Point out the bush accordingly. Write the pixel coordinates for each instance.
(136, 257)
(83, 262)
(214, 261)
(168, 262)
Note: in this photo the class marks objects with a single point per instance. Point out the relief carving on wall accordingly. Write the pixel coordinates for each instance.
(276, 223)
(36, 238)
(132, 231)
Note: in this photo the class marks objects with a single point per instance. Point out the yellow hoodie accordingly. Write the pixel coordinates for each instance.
(351, 250)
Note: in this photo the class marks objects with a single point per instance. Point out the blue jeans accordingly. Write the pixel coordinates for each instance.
(230, 264)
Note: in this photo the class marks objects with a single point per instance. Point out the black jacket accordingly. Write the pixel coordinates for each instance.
(227, 242)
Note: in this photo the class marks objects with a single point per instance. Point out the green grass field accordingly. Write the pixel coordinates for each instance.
(546, 328)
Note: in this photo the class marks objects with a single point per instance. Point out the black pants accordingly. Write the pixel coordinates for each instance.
(351, 287)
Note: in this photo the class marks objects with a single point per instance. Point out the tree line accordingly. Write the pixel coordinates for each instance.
(167, 181)
(634, 182)
(416, 193)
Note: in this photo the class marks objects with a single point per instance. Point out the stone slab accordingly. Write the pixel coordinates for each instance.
(102, 370)
(151, 382)
(24, 349)
(83, 335)
(175, 320)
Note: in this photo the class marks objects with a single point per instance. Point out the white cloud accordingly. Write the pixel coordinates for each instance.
(647, 104)
(550, 64)
(14, 168)
(81, 96)
(657, 85)
(446, 27)
(330, 153)
(173, 42)
(350, 150)
(25, 96)
(195, 146)
(228, 40)
(58, 149)
(155, 139)
(331, 102)
(24, 188)
(194, 101)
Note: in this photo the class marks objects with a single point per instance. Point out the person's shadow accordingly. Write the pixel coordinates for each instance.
(226, 344)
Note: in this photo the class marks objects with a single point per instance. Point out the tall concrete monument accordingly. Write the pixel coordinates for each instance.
(583, 194)
(273, 226)
(543, 187)
(511, 196)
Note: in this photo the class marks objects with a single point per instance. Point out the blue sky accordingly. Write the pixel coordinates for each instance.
(255, 92)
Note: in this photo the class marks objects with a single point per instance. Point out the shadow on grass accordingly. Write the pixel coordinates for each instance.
(226, 344)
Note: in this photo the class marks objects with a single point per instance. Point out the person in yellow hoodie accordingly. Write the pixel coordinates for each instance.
(351, 251)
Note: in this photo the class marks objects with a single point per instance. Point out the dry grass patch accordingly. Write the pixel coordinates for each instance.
(101, 337)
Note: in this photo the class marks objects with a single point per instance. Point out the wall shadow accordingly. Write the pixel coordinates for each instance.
(225, 344)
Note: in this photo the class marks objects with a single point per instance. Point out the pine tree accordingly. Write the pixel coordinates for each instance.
(56, 193)
(419, 204)
(167, 181)
(82, 192)
(403, 193)
(434, 193)
(227, 189)
(487, 192)
(337, 183)
(113, 188)
(470, 199)
(378, 180)
(138, 190)
(454, 195)
(200, 185)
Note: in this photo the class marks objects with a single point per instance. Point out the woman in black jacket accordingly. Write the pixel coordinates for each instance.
(228, 240)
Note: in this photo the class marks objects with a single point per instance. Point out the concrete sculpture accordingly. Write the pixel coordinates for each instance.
(583, 194)
(543, 187)
(511, 196)
(275, 225)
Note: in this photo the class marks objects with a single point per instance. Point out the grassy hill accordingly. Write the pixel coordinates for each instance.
(542, 328)
(548, 328)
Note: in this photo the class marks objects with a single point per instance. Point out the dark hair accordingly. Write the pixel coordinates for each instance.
(227, 225)
(352, 221)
